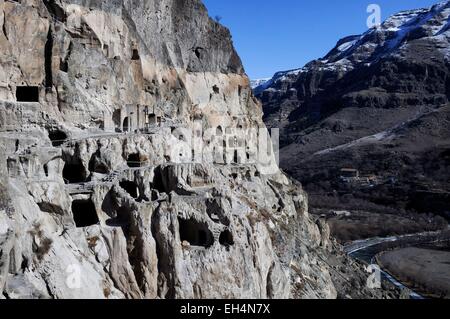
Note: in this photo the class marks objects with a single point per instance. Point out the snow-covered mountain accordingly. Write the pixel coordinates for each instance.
(419, 36)
(258, 82)
(389, 82)
(390, 38)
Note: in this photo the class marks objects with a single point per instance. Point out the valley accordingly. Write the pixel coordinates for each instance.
(366, 131)
(417, 263)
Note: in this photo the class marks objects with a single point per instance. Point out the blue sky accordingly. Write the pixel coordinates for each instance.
(275, 35)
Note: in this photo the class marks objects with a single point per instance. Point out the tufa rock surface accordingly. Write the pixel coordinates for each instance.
(98, 196)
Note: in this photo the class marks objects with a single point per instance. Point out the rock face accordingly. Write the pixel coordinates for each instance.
(377, 102)
(104, 192)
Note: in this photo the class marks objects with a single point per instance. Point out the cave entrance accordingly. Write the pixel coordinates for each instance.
(46, 170)
(96, 165)
(84, 213)
(131, 188)
(57, 137)
(27, 94)
(226, 238)
(55, 10)
(74, 173)
(121, 219)
(158, 181)
(126, 124)
(195, 233)
(135, 55)
(134, 160)
(152, 119)
(236, 158)
(116, 116)
(98, 168)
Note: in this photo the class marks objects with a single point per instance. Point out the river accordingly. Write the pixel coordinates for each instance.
(366, 251)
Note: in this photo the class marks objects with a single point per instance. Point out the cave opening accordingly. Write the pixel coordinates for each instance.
(4, 30)
(152, 119)
(116, 119)
(158, 183)
(130, 187)
(27, 94)
(134, 160)
(135, 55)
(74, 173)
(236, 158)
(226, 238)
(64, 61)
(48, 60)
(124, 215)
(121, 217)
(64, 65)
(55, 10)
(198, 52)
(126, 124)
(84, 213)
(57, 137)
(98, 168)
(96, 165)
(195, 233)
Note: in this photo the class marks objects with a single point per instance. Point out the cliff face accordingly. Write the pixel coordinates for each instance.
(377, 102)
(111, 185)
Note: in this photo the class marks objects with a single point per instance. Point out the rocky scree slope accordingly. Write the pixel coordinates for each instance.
(377, 102)
(98, 198)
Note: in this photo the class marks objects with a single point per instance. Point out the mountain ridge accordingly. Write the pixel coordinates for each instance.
(345, 46)
(347, 109)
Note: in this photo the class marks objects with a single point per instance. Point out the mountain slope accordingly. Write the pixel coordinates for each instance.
(258, 82)
(348, 108)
